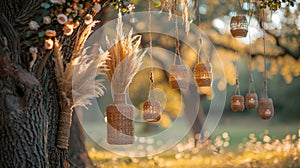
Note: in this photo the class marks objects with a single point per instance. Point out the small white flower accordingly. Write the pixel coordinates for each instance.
(33, 50)
(96, 8)
(62, 18)
(88, 19)
(48, 44)
(69, 10)
(33, 25)
(47, 20)
(58, 1)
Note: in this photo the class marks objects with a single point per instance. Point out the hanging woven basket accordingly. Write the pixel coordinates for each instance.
(266, 108)
(239, 26)
(251, 100)
(203, 74)
(179, 77)
(237, 103)
(152, 111)
(120, 121)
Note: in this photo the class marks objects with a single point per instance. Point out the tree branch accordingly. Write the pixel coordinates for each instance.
(13, 44)
(285, 49)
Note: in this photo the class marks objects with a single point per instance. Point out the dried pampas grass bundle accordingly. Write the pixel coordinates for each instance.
(85, 86)
(186, 16)
(125, 58)
(168, 5)
(82, 86)
(187, 10)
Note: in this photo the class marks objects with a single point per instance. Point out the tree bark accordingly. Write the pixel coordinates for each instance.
(29, 97)
(56, 156)
(78, 155)
(22, 127)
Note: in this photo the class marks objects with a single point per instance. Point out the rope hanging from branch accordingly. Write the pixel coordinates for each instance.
(265, 66)
(151, 108)
(237, 69)
(150, 48)
(237, 100)
(266, 107)
(251, 96)
(179, 77)
(177, 43)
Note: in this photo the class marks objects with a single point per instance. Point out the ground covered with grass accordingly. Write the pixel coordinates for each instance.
(256, 150)
(237, 142)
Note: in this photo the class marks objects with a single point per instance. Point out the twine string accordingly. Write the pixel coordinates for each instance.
(238, 7)
(265, 61)
(237, 90)
(251, 87)
(200, 47)
(177, 42)
(200, 39)
(151, 77)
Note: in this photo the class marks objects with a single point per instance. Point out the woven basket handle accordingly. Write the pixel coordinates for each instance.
(151, 94)
(177, 53)
(237, 88)
(251, 88)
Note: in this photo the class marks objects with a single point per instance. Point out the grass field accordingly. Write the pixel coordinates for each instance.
(236, 143)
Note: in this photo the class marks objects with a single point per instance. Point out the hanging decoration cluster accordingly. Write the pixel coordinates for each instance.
(124, 62)
(251, 96)
(239, 29)
(202, 70)
(265, 107)
(179, 77)
(151, 108)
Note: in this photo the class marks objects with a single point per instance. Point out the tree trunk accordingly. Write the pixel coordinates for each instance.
(197, 123)
(56, 156)
(78, 156)
(29, 97)
(22, 126)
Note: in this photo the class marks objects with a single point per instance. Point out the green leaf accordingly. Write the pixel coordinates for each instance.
(41, 34)
(28, 33)
(28, 43)
(45, 5)
(45, 12)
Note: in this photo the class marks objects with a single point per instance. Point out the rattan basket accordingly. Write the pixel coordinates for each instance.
(203, 75)
(237, 103)
(266, 108)
(179, 77)
(239, 26)
(251, 100)
(120, 121)
(152, 111)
